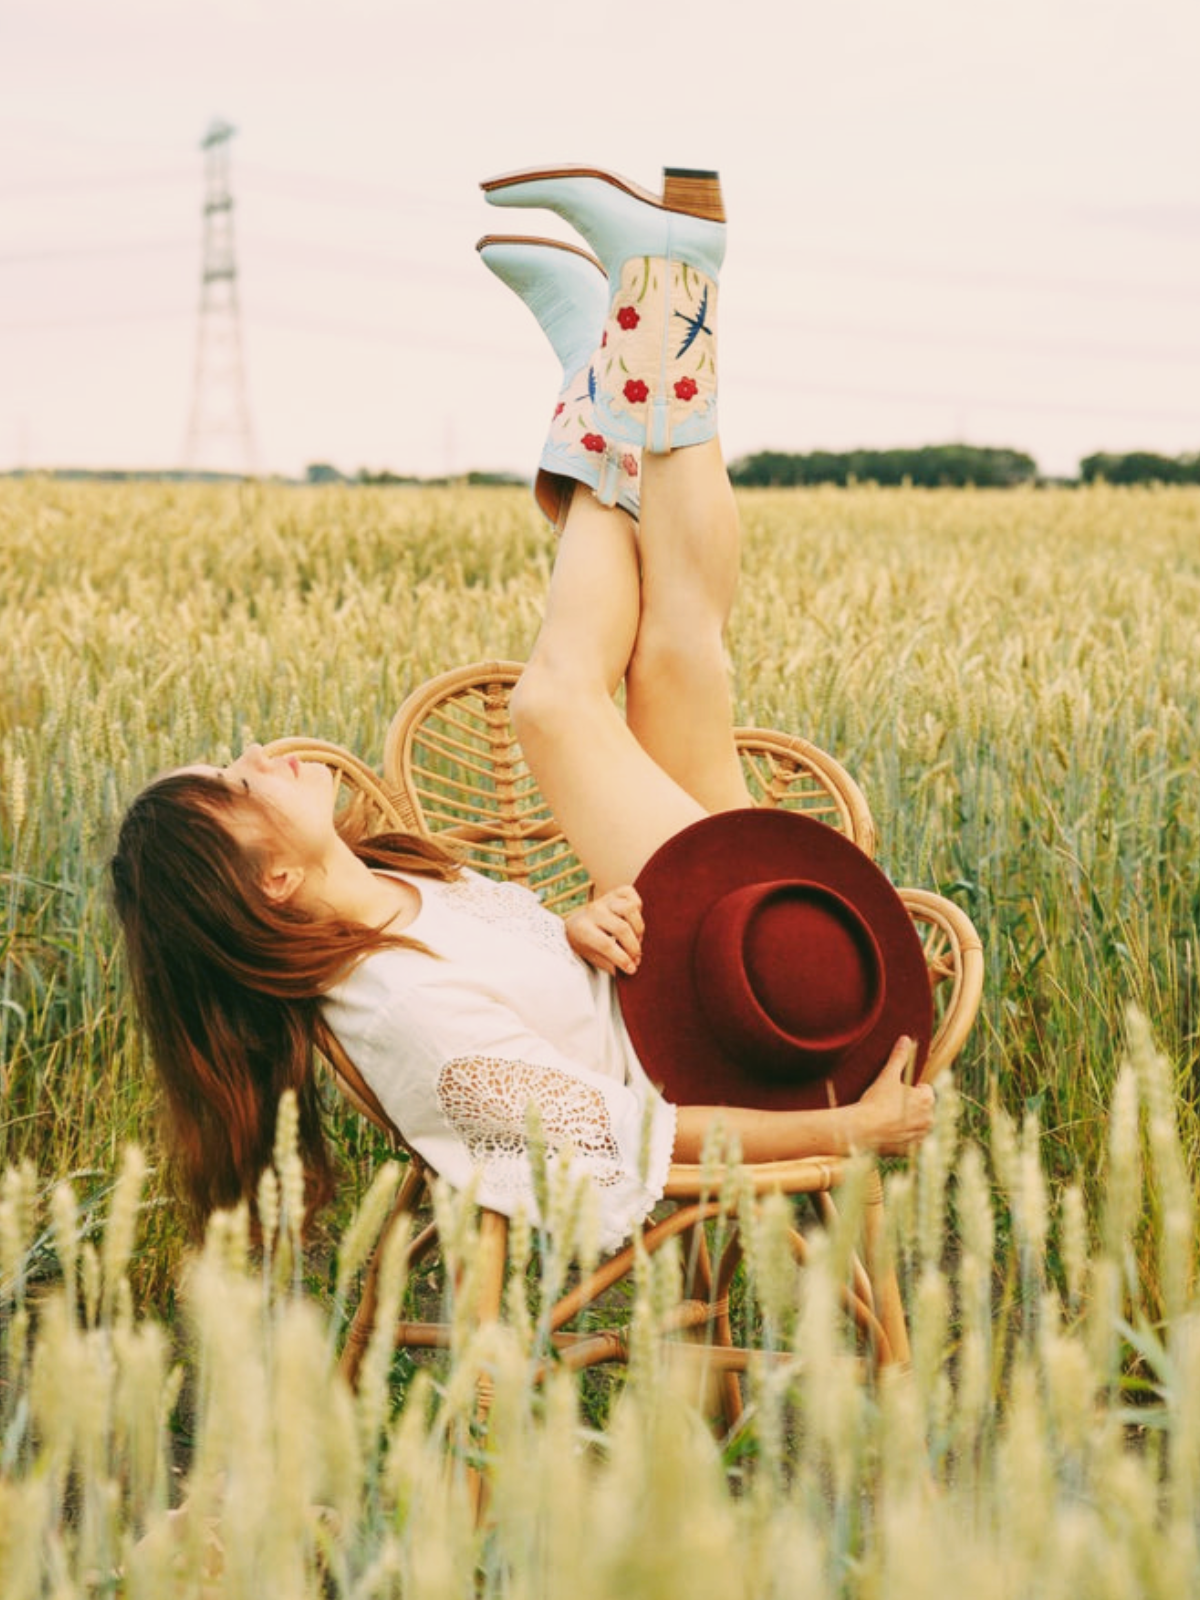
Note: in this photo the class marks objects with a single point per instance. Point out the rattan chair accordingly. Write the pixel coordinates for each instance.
(453, 768)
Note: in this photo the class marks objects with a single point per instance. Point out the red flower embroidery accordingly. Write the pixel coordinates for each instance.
(685, 389)
(604, 339)
(560, 408)
(628, 318)
(594, 442)
(629, 464)
(635, 390)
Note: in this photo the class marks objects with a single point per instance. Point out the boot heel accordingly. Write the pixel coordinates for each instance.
(696, 193)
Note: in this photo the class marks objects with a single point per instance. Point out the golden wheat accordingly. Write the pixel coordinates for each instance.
(1011, 677)
(1023, 1470)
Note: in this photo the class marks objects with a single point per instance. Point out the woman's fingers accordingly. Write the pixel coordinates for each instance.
(903, 1057)
(618, 916)
(902, 1111)
(625, 904)
(625, 944)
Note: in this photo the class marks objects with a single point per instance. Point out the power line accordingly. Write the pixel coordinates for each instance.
(886, 269)
(91, 252)
(969, 401)
(78, 184)
(109, 319)
(353, 192)
(1024, 344)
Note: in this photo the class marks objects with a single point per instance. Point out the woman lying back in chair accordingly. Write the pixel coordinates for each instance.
(753, 963)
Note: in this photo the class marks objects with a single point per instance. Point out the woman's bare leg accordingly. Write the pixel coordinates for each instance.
(679, 703)
(621, 787)
(615, 803)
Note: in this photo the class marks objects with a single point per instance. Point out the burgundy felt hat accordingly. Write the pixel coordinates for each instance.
(779, 966)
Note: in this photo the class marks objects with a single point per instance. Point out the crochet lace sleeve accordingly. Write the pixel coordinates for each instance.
(485, 1100)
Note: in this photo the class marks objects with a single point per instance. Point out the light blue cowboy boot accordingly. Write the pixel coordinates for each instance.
(567, 292)
(656, 363)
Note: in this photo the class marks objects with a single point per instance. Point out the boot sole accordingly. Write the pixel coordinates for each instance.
(689, 191)
(528, 238)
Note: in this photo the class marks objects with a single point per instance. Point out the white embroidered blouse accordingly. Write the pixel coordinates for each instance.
(456, 1043)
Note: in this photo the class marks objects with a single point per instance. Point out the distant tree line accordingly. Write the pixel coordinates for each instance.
(933, 466)
(322, 472)
(1140, 466)
(949, 465)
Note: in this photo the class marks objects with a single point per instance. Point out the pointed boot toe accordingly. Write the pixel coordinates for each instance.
(567, 292)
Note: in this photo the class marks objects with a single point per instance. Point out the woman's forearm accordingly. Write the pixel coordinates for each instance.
(892, 1117)
(770, 1135)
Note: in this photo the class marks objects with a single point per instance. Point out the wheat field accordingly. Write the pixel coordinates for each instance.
(1012, 679)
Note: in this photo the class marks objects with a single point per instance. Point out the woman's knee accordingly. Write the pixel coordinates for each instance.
(677, 653)
(544, 700)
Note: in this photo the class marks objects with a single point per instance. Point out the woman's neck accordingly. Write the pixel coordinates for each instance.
(343, 886)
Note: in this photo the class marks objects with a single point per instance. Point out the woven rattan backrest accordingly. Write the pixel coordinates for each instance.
(784, 770)
(452, 755)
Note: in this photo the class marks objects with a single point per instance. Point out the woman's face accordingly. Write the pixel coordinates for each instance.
(292, 802)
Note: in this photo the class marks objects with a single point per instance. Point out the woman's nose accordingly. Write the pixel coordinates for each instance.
(253, 753)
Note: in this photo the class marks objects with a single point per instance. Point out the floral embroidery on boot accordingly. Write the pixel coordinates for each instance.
(656, 364)
(578, 451)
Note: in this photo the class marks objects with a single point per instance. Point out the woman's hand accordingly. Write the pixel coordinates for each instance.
(607, 932)
(893, 1116)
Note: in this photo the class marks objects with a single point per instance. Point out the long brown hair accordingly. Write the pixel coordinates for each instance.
(228, 983)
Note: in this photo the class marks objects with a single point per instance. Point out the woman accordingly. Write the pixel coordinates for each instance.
(248, 918)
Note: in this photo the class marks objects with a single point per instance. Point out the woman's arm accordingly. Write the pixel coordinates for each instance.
(891, 1118)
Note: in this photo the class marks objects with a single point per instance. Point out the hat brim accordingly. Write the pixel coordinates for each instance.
(660, 1003)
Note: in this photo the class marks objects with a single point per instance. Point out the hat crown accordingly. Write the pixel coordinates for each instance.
(789, 975)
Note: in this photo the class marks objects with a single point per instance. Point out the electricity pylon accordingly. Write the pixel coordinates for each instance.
(219, 435)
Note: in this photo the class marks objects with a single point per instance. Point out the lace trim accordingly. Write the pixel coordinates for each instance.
(510, 905)
(484, 1099)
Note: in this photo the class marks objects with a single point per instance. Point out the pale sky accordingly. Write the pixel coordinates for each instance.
(948, 220)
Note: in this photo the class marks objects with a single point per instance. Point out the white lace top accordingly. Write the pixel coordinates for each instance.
(456, 1043)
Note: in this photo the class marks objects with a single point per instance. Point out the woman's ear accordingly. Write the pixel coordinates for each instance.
(280, 883)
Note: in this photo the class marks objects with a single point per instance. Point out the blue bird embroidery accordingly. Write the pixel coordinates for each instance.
(696, 325)
(591, 389)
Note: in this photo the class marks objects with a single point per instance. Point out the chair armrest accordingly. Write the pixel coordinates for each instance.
(954, 957)
(802, 1175)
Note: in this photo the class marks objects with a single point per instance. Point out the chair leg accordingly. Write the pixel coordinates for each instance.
(490, 1263)
(862, 1287)
(358, 1334)
(724, 1387)
(882, 1271)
